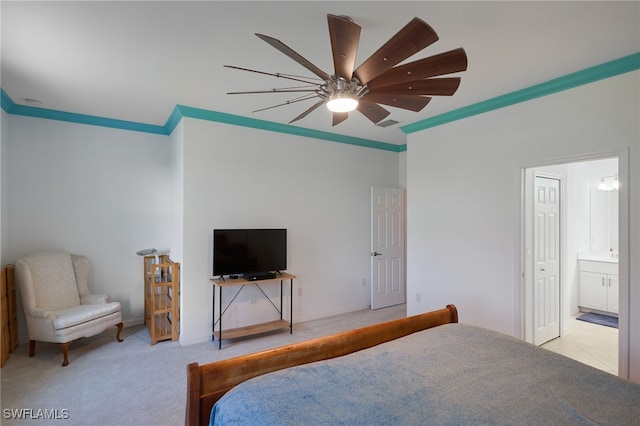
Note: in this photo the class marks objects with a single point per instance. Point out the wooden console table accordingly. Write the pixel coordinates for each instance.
(254, 328)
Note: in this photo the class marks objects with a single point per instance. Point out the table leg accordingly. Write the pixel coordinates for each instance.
(213, 314)
(281, 295)
(220, 320)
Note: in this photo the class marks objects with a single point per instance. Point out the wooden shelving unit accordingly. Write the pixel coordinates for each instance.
(162, 298)
(234, 333)
(8, 313)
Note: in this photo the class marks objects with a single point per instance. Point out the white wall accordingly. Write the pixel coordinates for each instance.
(100, 192)
(238, 177)
(463, 183)
(402, 164)
(577, 229)
(173, 202)
(4, 141)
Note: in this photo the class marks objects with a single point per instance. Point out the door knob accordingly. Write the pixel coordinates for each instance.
(375, 253)
(541, 269)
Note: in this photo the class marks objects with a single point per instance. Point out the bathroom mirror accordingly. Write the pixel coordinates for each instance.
(603, 220)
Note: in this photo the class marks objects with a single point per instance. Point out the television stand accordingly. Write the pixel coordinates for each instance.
(219, 283)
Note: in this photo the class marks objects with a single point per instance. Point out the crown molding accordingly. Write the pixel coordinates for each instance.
(50, 114)
(181, 111)
(238, 120)
(586, 76)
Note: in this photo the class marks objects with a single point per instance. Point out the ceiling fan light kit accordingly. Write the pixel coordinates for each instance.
(342, 96)
(342, 103)
(377, 80)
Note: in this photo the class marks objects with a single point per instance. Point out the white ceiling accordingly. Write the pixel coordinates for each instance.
(136, 61)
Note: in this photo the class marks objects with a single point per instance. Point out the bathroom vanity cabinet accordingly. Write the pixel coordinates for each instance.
(598, 286)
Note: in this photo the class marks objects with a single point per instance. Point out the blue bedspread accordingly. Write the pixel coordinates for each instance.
(455, 374)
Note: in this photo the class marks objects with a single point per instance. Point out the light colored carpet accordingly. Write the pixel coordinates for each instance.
(134, 383)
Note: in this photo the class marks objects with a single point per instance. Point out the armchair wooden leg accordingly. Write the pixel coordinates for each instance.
(32, 348)
(65, 353)
(119, 325)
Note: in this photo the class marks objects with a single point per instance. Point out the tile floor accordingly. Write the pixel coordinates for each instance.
(591, 344)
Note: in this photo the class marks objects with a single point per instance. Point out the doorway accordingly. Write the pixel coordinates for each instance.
(388, 286)
(588, 228)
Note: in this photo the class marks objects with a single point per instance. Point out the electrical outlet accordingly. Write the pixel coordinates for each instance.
(364, 282)
(299, 291)
(418, 298)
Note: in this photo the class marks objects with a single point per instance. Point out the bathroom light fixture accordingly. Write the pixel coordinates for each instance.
(602, 186)
(609, 183)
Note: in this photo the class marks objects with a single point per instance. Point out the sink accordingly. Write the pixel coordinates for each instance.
(598, 256)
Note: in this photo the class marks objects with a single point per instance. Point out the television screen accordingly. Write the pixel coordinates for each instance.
(241, 251)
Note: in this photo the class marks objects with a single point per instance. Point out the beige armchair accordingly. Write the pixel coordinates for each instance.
(57, 303)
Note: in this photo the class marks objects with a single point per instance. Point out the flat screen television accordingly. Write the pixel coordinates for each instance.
(249, 251)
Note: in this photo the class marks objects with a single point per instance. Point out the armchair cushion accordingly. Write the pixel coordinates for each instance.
(54, 280)
(93, 299)
(83, 313)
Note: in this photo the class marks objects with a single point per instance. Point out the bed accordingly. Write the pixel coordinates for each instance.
(424, 369)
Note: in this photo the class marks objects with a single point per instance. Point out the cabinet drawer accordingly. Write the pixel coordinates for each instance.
(600, 267)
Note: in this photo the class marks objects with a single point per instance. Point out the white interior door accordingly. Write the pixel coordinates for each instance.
(546, 248)
(387, 247)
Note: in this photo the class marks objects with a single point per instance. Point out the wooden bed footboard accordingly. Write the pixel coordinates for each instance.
(207, 383)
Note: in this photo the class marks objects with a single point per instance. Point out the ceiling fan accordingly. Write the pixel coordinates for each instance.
(377, 80)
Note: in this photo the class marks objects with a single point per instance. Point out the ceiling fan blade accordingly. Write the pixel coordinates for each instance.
(254, 92)
(292, 101)
(411, 103)
(414, 37)
(339, 117)
(344, 36)
(308, 111)
(372, 111)
(430, 86)
(295, 56)
(286, 76)
(444, 63)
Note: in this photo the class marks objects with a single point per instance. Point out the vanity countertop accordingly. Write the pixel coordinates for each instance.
(597, 256)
